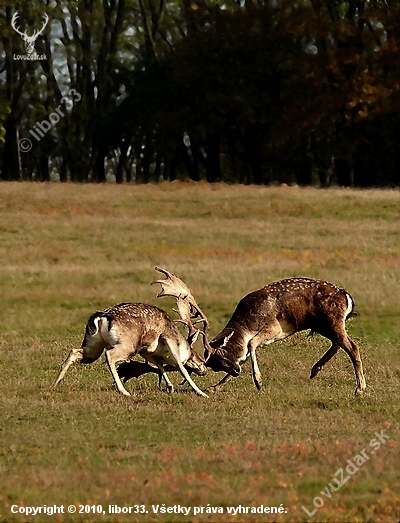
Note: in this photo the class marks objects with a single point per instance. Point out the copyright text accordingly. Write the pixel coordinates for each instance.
(50, 510)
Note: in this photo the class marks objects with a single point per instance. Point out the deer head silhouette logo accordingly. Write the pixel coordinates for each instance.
(29, 40)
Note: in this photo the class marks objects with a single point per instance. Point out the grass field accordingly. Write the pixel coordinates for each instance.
(68, 250)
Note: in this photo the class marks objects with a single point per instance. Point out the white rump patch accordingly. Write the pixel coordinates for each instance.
(349, 305)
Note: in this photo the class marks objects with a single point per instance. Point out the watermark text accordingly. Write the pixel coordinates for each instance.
(342, 475)
(41, 128)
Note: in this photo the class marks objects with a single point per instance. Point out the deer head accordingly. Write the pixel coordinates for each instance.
(29, 40)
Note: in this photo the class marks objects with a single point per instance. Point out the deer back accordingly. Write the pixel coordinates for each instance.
(295, 303)
(149, 329)
(134, 324)
(300, 302)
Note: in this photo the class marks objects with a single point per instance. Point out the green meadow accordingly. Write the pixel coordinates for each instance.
(69, 250)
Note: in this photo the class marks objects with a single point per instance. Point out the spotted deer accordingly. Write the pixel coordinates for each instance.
(190, 314)
(280, 310)
(130, 329)
(272, 313)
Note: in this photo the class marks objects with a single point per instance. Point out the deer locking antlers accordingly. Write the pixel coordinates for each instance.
(188, 309)
(271, 313)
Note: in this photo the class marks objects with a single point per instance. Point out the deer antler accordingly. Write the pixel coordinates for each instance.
(188, 309)
(29, 40)
(13, 20)
(35, 33)
(46, 19)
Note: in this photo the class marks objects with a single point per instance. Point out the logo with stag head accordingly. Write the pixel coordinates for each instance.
(29, 40)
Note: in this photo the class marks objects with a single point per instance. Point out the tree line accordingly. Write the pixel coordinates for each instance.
(242, 91)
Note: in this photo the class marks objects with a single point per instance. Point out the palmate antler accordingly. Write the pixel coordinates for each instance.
(188, 309)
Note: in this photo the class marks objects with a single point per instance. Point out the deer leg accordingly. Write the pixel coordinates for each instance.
(257, 378)
(325, 358)
(185, 374)
(352, 350)
(160, 377)
(112, 356)
(164, 374)
(175, 354)
(267, 335)
(218, 386)
(170, 387)
(73, 356)
(161, 374)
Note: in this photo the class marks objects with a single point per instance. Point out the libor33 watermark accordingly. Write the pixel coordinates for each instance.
(41, 128)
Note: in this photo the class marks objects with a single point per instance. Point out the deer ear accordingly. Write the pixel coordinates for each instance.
(227, 338)
(221, 341)
(94, 324)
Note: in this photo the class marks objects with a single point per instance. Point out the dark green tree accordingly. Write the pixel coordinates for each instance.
(251, 92)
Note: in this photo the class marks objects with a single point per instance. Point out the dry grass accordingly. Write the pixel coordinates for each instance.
(69, 250)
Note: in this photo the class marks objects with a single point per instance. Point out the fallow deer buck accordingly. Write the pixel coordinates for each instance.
(272, 313)
(190, 314)
(131, 329)
(277, 311)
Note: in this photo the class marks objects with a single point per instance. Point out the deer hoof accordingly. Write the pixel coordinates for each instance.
(125, 392)
(314, 372)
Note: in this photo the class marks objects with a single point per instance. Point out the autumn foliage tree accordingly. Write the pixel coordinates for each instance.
(292, 93)
(252, 92)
